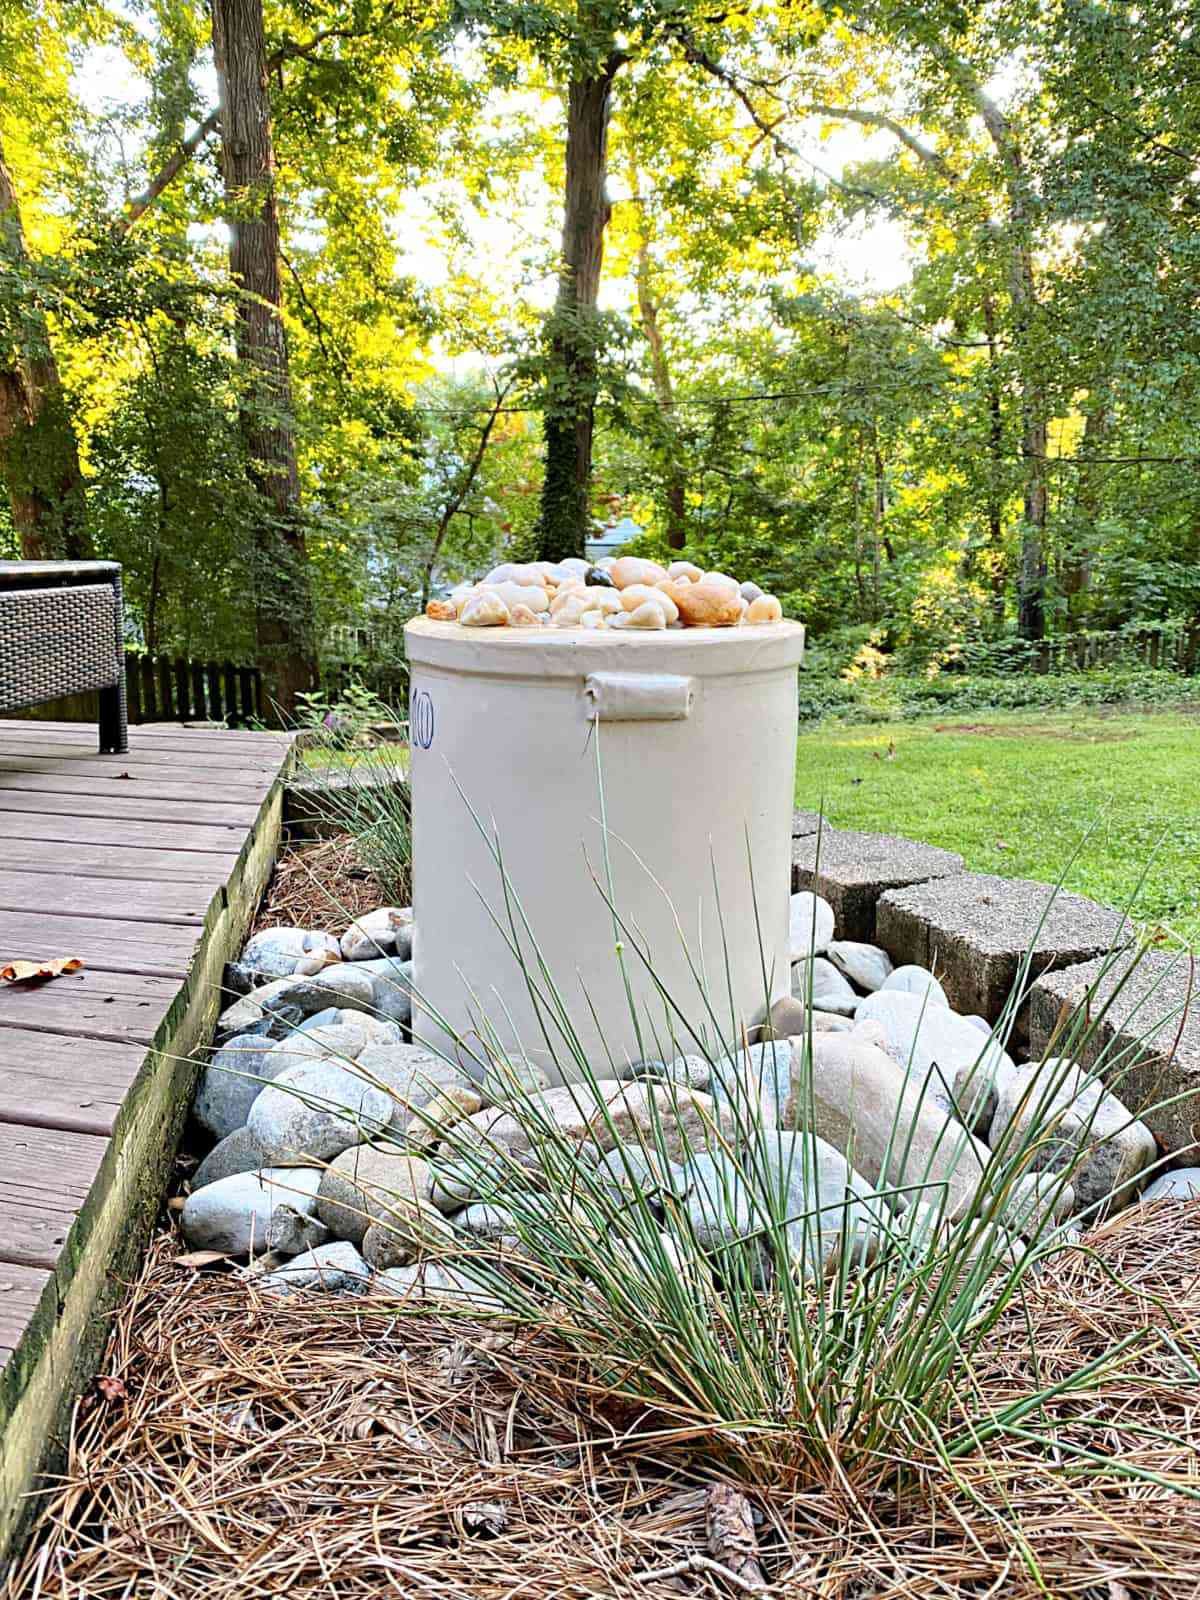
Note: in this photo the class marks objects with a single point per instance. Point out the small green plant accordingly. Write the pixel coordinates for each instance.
(343, 720)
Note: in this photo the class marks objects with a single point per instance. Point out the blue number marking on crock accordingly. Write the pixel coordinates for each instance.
(423, 720)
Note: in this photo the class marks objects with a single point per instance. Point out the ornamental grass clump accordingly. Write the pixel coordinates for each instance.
(722, 1283)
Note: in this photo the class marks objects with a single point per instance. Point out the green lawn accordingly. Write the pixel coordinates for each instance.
(1017, 792)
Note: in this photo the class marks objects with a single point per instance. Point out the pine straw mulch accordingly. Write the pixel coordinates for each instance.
(318, 1447)
(322, 886)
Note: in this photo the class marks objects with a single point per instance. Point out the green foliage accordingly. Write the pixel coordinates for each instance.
(860, 453)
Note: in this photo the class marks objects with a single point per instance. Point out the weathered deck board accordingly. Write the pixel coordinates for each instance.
(132, 785)
(117, 801)
(151, 880)
(117, 832)
(54, 1080)
(158, 949)
(21, 1288)
(144, 864)
(45, 1176)
(123, 1006)
(143, 899)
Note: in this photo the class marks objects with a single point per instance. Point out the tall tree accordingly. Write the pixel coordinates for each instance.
(283, 604)
(39, 456)
(574, 334)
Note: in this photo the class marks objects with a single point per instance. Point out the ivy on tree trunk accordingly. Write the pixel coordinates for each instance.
(572, 369)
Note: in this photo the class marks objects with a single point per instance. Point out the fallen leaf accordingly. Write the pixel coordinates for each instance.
(200, 1258)
(38, 971)
(485, 1516)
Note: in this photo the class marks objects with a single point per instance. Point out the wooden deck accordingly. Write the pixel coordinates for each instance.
(148, 866)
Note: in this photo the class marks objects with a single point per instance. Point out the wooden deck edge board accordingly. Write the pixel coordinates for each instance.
(65, 1340)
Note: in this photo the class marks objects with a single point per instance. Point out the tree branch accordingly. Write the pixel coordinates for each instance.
(288, 50)
(454, 505)
(179, 158)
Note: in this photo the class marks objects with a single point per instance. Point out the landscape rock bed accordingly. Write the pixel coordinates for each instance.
(348, 1158)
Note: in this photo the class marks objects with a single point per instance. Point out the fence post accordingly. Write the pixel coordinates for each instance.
(182, 707)
(231, 696)
(133, 688)
(198, 709)
(216, 701)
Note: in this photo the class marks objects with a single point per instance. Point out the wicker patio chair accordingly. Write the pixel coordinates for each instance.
(61, 632)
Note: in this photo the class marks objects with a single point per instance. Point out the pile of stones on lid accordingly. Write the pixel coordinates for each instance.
(621, 592)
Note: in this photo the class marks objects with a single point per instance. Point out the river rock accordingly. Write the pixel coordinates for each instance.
(793, 1180)
(318, 1109)
(408, 1232)
(512, 1079)
(457, 1287)
(629, 570)
(343, 984)
(810, 926)
(248, 1015)
(335, 1268)
(754, 1085)
(790, 1017)
(614, 1113)
(231, 1081)
(866, 965)
(385, 932)
(628, 1171)
(918, 981)
(487, 1222)
(860, 1101)
(706, 605)
(280, 952)
(1076, 1124)
(393, 988)
(830, 991)
(484, 609)
(428, 1094)
(249, 1212)
(465, 1181)
(239, 1151)
(959, 1067)
(690, 1072)
(368, 1183)
(373, 1030)
(1181, 1184)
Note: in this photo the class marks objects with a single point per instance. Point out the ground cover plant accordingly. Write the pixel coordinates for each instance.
(1014, 792)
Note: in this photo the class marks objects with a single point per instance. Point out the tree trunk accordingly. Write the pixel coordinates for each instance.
(39, 458)
(572, 375)
(1077, 562)
(664, 390)
(1022, 289)
(997, 575)
(282, 596)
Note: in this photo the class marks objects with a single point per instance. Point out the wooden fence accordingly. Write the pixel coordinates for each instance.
(164, 690)
(1174, 649)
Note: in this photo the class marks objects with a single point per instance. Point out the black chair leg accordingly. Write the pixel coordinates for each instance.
(114, 732)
